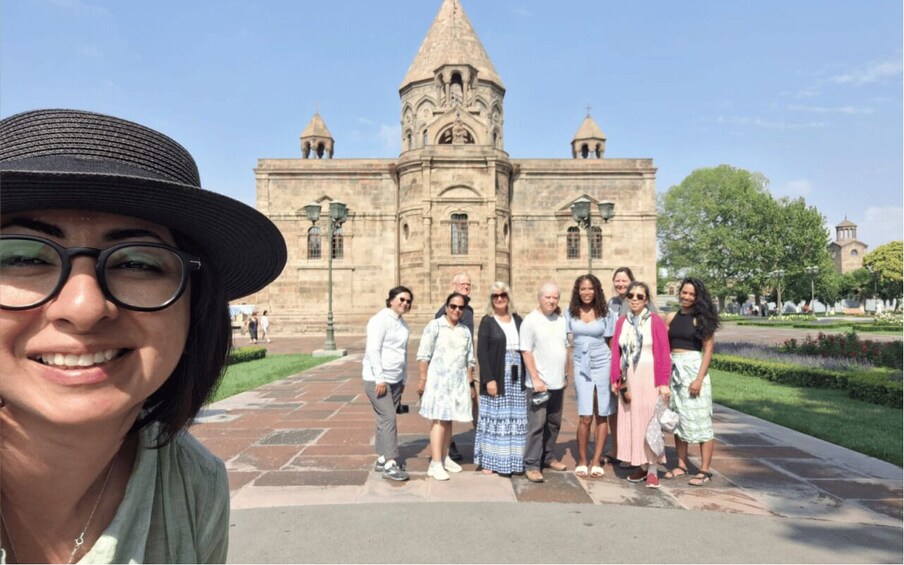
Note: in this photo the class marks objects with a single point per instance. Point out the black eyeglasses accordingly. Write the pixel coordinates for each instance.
(137, 276)
(455, 307)
(632, 296)
(404, 300)
(500, 296)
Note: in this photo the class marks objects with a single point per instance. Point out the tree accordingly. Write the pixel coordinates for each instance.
(722, 225)
(798, 239)
(713, 226)
(886, 264)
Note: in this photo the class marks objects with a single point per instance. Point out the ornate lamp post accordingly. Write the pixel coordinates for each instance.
(812, 271)
(338, 215)
(779, 275)
(580, 211)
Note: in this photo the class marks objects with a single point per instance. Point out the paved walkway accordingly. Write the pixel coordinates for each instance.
(300, 454)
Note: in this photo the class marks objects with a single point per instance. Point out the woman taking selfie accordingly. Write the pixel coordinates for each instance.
(117, 268)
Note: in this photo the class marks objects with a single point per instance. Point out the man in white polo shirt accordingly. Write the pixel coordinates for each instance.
(544, 348)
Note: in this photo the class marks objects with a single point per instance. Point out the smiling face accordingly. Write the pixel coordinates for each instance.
(586, 292)
(79, 358)
(462, 285)
(687, 297)
(620, 282)
(454, 309)
(548, 299)
(401, 304)
(637, 299)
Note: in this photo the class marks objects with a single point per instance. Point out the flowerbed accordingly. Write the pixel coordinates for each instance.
(849, 345)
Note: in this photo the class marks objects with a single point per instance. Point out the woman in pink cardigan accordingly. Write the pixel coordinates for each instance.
(640, 371)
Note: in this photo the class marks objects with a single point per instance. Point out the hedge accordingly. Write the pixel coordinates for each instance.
(242, 354)
(875, 386)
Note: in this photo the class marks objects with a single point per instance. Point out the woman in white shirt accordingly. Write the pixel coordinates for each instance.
(384, 372)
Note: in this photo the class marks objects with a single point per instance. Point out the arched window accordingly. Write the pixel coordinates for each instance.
(459, 234)
(854, 253)
(314, 242)
(320, 150)
(573, 243)
(585, 151)
(596, 242)
(338, 243)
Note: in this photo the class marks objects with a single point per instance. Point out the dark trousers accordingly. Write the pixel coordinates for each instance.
(386, 440)
(543, 423)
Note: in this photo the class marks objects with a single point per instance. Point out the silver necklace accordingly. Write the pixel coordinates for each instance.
(80, 540)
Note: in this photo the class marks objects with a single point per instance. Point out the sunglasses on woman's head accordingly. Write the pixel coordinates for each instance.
(500, 296)
(633, 296)
(456, 306)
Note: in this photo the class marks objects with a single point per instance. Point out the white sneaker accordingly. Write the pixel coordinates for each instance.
(436, 471)
(451, 466)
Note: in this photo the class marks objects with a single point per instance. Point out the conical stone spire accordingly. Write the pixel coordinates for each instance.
(451, 41)
(316, 139)
(589, 141)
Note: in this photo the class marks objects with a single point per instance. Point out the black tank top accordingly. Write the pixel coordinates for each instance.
(683, 334)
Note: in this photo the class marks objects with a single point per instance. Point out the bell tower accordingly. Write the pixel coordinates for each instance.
(454, 176)
(451, 94)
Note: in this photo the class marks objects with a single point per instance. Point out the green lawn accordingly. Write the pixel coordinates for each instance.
(824, 413)
(252, 374)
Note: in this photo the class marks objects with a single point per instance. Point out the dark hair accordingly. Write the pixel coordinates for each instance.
(625, 270)
(599, 298)
(204, 358)
(453, 295)
(646, 289)
(704, 311)
(395, 291)
(265, 312)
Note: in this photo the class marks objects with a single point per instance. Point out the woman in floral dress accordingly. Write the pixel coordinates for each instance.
(446, 362)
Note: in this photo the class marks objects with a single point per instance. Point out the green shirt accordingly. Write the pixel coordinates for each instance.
(175, 508)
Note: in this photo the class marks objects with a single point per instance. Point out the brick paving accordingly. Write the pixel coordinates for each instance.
(308, 440)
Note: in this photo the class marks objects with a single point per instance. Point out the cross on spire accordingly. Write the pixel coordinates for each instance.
(588, 110)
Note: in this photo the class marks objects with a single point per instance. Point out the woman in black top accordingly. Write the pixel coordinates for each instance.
(691, 337)
(502, 424)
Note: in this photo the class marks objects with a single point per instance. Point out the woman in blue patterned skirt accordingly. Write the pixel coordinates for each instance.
(502, 424)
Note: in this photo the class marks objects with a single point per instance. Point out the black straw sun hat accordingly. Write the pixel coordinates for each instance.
(70, 159)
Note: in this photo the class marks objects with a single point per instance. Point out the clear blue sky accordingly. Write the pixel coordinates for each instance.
(807, 92)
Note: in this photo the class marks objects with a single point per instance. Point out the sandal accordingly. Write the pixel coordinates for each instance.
(678, 471)
(581, 471)
(701, 479)
(597, 472)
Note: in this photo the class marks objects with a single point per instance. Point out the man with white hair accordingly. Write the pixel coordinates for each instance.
(461, 283)
(544, 348)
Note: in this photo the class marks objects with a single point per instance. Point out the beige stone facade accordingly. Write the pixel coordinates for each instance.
(452, 201)
(847, 251)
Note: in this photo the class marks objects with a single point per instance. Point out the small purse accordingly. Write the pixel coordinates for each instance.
(623, 390)
(668, 418)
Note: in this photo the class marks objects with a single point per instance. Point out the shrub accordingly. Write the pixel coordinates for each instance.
(242, 354)
(881, 387)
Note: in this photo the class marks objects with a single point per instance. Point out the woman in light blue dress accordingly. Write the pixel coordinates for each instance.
(446, 362)
(589, 326)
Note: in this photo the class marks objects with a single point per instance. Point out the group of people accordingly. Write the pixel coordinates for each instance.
(253, 325)
(621, 356)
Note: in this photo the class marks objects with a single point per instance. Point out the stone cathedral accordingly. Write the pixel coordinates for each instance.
(453, 200)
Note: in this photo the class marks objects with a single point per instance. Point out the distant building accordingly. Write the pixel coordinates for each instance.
(452, 201)
(847, 251)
